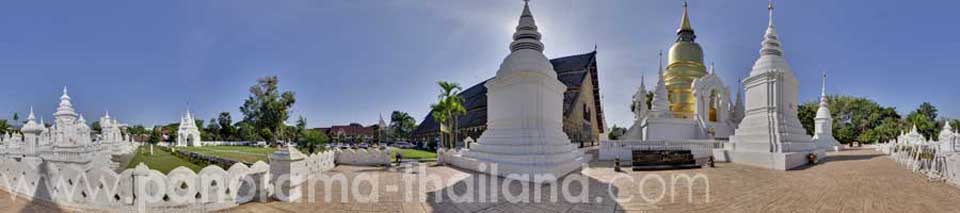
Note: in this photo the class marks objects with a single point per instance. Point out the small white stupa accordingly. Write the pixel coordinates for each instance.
(188, 134)
(823, 127)
(639, 111)
(770, 135)
(949, 139)
(524, 128)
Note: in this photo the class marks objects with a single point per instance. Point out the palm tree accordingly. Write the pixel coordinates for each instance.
(445, 112)
(401, 124)
(4, 127)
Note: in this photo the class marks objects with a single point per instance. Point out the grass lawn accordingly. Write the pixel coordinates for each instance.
(415, 154)
(246, 154)
(161, 160)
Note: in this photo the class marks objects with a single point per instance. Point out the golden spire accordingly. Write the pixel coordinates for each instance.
(685, 21)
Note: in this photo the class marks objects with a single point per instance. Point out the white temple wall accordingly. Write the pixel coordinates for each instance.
(363, 157)
(102, 189)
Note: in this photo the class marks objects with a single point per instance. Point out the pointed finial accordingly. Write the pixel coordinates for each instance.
(31, 116)
(685, 20)
(713, 68)
(823, 89)
(770, 9)
(595, 45)
(526, 35)
(660, 61)
(642, 78)
(64, 90)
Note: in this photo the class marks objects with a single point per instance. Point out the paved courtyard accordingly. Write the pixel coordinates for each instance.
(851, 181)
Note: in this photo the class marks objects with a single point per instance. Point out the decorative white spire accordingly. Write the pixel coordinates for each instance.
(771, 41)
(31, 116)
(643, 85)
(640, 100)
(527, 36)
(823, 89)
(824, 111)
(65, 108)
(660, 61)
(770, 10)
(661, 106)
(382, 123)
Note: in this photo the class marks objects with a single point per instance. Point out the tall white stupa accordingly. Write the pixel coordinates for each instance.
(770, 134)
(524, 107)
(823, 127)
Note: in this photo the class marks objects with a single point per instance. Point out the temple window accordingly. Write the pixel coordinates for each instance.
(714, 104)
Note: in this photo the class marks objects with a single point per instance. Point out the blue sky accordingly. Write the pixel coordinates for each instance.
(348, 61)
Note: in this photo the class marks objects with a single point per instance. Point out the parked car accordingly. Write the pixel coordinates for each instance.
(403, 145)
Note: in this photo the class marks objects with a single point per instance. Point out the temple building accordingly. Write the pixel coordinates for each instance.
(111, 129)
(583, 119)
(188, 134)
(689, 103)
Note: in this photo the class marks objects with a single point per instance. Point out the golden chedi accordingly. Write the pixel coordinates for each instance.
(685, 66)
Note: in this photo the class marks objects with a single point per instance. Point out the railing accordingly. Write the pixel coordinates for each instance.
(925, 158)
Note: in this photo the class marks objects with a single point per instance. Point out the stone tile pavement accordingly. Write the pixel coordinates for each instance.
(849, 181)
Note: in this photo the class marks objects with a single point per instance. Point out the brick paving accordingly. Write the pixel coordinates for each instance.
(850, 181)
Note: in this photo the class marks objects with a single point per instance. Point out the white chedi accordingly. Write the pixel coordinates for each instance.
(913, 137)
(949, 139)
(188, 134)
(770, 135)
(524, 130)
(823, 123)
(110, 129)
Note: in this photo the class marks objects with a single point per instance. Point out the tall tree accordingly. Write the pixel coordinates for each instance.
(445, 112)
(401, 125)
(138, 132)
(616, 132)
(212, 131)
(298, 129)
(267, 108)
(955, 124)
(227, 130)
(928, 109)
(95, 126)
(248, 132)
(312, 139)
(854, 118)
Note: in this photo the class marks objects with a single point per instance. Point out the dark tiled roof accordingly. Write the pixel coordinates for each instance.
(571, 70)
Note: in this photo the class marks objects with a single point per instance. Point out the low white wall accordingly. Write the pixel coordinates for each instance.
(363, 157)
(182, 189)
(455, 158)
(321, 162)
